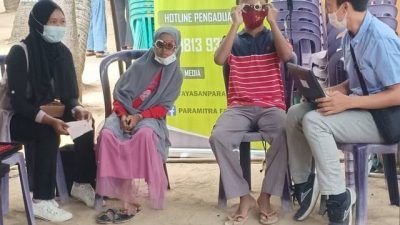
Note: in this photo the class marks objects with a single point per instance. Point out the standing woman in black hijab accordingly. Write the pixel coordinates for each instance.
(46, 75)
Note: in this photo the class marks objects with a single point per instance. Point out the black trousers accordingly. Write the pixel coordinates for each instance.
(43, 144)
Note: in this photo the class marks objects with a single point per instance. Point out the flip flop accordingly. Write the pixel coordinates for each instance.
(90, 53)
(122, 217)
(106, 217)
(268, 218)
(236, 220)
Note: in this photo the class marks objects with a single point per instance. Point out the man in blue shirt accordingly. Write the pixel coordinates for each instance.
(343, 115)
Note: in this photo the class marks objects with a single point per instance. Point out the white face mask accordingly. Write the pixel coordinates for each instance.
(53, 34)
(335, 22)
(165, 61)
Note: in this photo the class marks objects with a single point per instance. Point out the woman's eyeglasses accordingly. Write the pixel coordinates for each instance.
(257, 7)
(164, 45)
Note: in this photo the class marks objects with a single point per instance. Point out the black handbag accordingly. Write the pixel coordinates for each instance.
(387, 119)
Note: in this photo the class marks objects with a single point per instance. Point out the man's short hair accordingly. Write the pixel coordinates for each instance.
(358, 5)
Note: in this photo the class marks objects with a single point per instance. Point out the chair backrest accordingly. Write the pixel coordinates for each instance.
(336, 74)
(390, 21)
(377, 2)
(298, 5)
(299, 15)
(301, 35)
(383, 10)
(302, 26)
(2, 64)
(334, 40)
(125, 56)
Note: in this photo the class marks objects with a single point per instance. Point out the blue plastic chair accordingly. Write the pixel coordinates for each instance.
(141, 18)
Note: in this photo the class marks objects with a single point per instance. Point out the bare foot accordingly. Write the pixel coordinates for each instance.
(267, 214)
(132, 208)
(247, 202)
(264, 203)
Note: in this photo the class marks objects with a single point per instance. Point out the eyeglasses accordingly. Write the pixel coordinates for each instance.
(164, 45)
(257, 7)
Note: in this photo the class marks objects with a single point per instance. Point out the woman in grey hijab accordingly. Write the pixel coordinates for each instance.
(133, 143)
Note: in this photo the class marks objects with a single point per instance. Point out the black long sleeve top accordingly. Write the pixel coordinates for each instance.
(20, 93)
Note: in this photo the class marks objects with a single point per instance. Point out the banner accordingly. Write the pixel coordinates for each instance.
(203, 97)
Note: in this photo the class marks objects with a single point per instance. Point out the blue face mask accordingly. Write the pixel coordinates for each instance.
(53, 34)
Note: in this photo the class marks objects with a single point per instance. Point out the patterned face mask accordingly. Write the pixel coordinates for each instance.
(254, 16)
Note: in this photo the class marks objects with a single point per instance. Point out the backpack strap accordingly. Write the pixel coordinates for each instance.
(23, 45)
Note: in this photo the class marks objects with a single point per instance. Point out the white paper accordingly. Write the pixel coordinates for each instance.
(78, 128)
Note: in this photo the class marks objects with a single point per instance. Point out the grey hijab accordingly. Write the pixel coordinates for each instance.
(136, 79)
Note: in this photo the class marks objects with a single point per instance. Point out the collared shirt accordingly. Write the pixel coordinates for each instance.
(377, 50)
(255, 78)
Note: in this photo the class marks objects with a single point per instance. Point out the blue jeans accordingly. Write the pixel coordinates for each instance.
(97, 37)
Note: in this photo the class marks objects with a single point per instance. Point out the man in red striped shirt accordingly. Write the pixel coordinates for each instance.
(255, 102)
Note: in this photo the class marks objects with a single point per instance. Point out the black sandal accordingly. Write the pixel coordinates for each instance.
(106, 217)
(121, 216)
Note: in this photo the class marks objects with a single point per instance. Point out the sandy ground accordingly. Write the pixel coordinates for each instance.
(193, 197)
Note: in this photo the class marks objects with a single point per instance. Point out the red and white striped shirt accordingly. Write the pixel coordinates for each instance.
(255, 80)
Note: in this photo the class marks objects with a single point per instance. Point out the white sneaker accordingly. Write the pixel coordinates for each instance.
(84, 193)
(46, 210)
(55, 203)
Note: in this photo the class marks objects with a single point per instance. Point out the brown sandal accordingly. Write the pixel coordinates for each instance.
(236, 220)
(90, 53)
(268, 218)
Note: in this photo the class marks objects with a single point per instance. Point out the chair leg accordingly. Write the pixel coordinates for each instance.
(389, 163)
(4, 193)
(23, 177)
(222, 202)
(60, 180)
(361, 182)
(166, 174)
(1, 208)
(245, 161)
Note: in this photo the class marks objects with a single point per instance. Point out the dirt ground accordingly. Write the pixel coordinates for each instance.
(193, 197)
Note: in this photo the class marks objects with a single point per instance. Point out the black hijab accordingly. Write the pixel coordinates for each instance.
(51, 68)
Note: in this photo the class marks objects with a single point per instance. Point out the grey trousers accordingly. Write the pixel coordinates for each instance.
(124, 28)
(310, 134)
(227, 136)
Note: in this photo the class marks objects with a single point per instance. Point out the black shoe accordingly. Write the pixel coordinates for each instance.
(340, 213)
(306, 194)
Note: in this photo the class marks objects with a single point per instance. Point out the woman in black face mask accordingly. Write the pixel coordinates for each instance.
(44, 96)
(255, 99)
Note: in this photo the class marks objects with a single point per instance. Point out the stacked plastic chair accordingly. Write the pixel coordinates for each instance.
(141, 18)
(336, 74)
(304, 27)
(385, 10)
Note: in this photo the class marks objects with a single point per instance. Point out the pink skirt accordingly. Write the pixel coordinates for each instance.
(131, 168)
